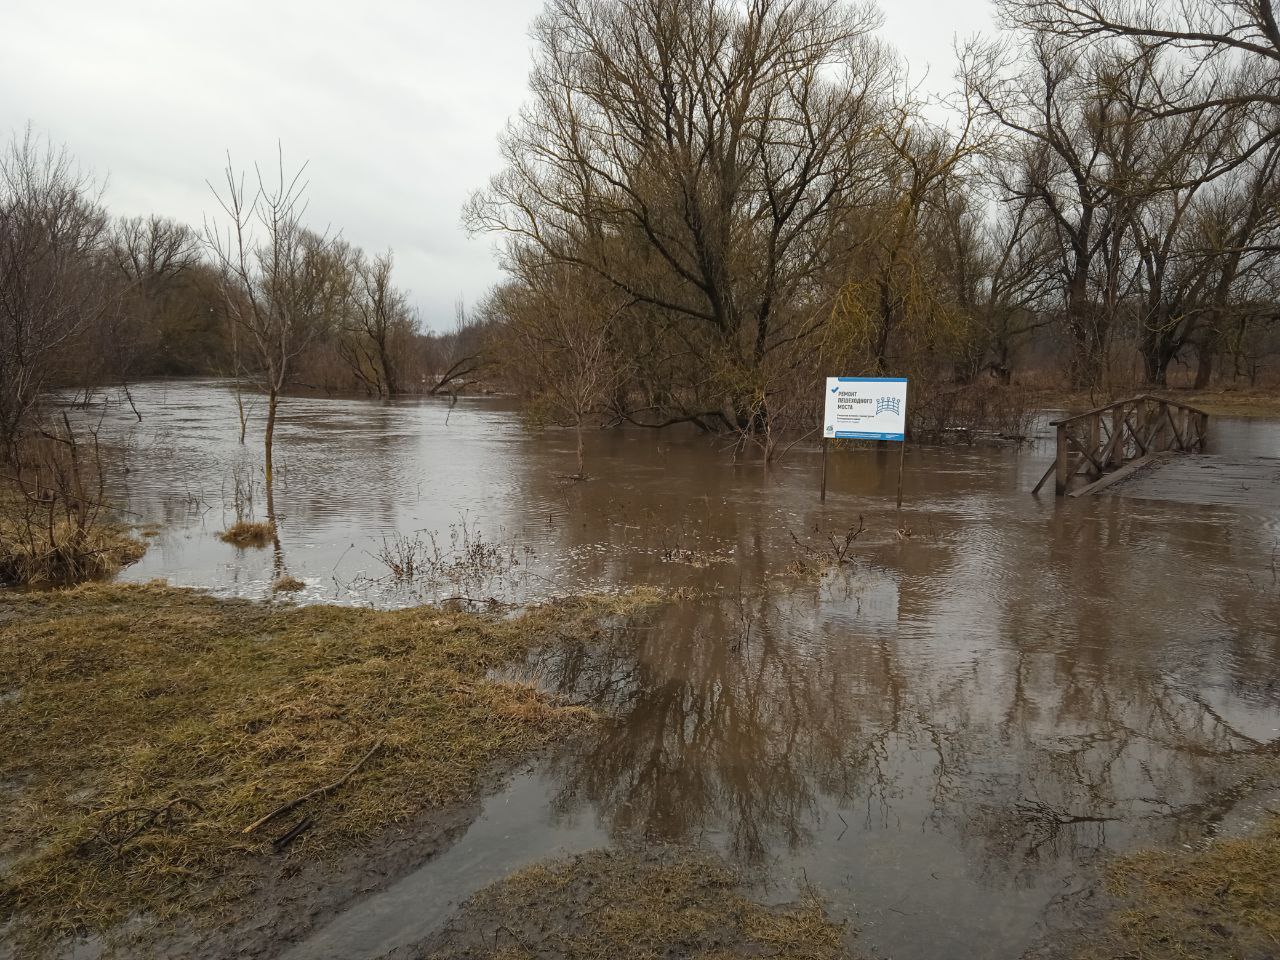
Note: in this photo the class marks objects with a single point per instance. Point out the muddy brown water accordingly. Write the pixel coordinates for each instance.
(944, 738)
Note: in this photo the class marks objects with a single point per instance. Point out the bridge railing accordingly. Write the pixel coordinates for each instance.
(1100, 447)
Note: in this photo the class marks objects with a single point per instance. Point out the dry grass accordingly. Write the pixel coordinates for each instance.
(125, 699)
(1218, 901)
(30, 556)
(249, 533)
(636, 907)
(1217, 401)
(288, 584)
(1231, 403)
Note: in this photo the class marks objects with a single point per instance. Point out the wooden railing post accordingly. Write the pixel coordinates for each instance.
(1064, 461)
(1117, 436)
(1095, 445)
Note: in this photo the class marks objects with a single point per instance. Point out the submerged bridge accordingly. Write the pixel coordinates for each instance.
(1101, 447)
(1156, 448)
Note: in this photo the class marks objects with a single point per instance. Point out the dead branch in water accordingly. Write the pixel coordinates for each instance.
(313, 794)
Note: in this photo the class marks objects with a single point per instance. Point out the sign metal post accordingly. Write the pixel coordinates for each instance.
(865, 408)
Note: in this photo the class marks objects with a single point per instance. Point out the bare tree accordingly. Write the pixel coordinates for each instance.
(284, 285)
(556, 334)
(54, 281)
(377, 326)
(153, 257)
(1077, 151)
(455, 356)
(1232, 47)
(996, 267)
(889, 284)
(697, 157)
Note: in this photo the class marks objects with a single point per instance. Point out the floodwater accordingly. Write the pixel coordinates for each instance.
(944, 737)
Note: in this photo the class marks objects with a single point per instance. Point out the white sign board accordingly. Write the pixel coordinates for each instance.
(866, 408)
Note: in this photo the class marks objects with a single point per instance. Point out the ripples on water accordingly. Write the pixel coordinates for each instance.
(942, 739)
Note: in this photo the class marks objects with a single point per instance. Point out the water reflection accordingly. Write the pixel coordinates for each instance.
(942, 737)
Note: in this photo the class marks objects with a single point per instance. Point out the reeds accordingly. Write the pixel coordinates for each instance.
(249, 533)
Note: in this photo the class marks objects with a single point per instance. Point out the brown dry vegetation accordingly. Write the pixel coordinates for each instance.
(249, 533)
(634, 907)
(1221, 901)
(33, 555)
(1220, 402)
(155, 724)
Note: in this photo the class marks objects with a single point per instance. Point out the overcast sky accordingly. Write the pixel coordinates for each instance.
(395, 104)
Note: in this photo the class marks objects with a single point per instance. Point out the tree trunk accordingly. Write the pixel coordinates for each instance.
(388, 372)
(581, 459)
(268, 440)
(1155, 363)
(1204, 366)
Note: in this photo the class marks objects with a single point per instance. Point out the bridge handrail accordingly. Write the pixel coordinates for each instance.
(1121, 403)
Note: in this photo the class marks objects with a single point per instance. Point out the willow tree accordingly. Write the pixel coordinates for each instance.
(696, 155)
(555, 324)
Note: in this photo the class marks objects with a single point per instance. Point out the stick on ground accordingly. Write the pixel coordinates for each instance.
(313, 794)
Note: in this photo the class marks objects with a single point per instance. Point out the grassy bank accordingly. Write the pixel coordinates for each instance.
(1245, 402)
(634, 907)
(1219, 901)
(146, 727)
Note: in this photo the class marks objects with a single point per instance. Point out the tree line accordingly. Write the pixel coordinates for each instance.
(253, 294)
(707, 205)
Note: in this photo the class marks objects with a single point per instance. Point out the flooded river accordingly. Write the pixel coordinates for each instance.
(943, 737)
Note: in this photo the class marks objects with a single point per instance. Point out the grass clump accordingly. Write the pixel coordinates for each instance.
(633, 906)
(148, 726)
(249, 533)
(1219, 901)
(40, 555)
(288, 584)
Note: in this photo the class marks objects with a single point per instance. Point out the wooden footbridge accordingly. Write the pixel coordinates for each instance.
(1101, 447)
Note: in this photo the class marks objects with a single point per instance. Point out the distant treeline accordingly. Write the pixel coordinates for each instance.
(88, 299)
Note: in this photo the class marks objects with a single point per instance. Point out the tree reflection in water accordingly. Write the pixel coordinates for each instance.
(755, 719)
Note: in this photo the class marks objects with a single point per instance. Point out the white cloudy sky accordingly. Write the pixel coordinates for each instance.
(395, 104)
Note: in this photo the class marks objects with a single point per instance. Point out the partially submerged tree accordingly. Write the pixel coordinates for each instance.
(377, 325)
(557, 330)
(285, 286)
(696, 157)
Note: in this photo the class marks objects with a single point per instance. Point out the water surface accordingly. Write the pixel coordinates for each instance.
(943, 737)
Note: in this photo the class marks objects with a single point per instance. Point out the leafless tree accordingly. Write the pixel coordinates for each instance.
(285, 286)
(557, 332)
(377, 326)
(696, 156)
(996, 267)
(153, 256)
(1231, 49)
(54, 281)
(1078, 154)
(889, 291)
(456, 356)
